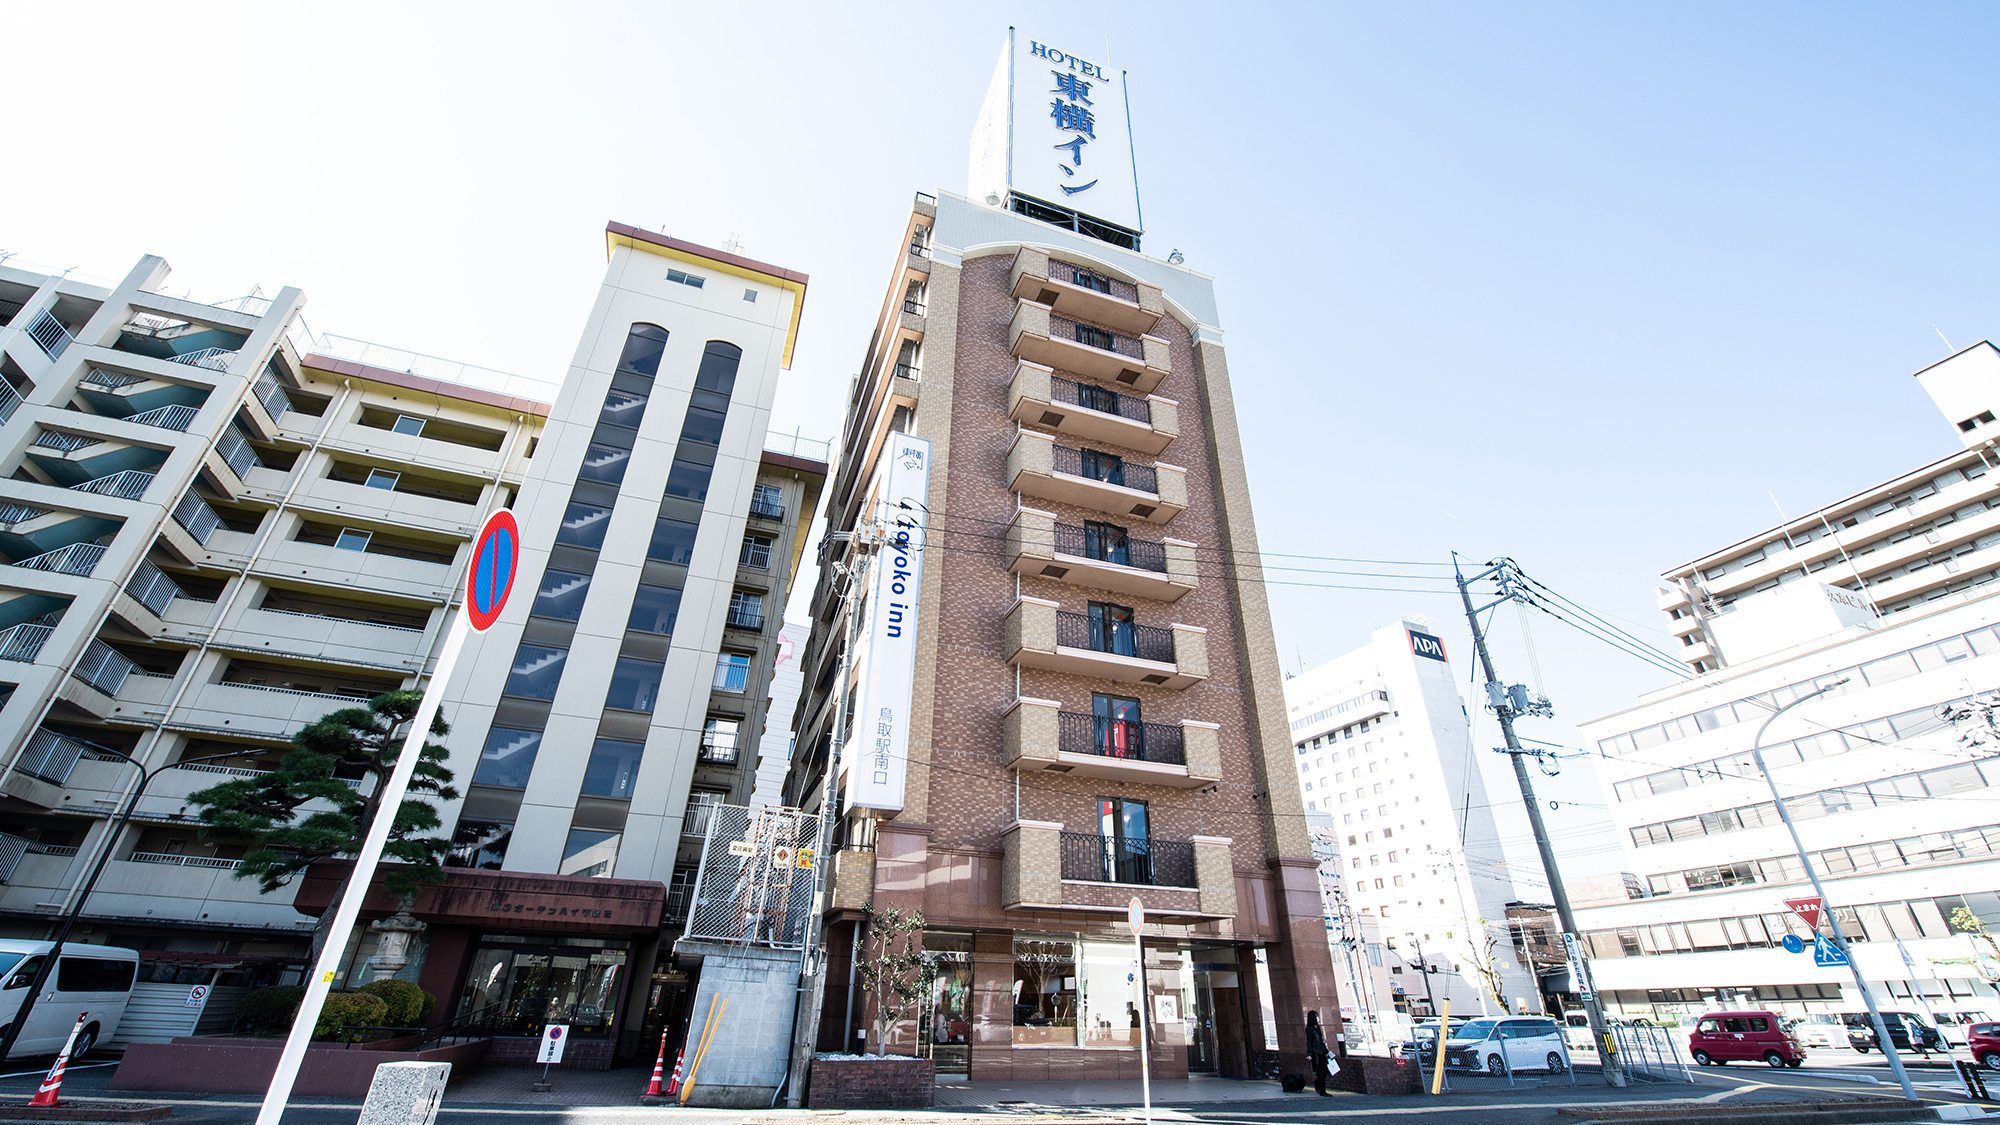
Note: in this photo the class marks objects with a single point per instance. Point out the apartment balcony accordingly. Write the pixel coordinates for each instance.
(1038, 467)
(78, 559)
(1045, 867)
(1038, 545)
(324, 639)
(1135, 363)
(23, 642)
(1038, 635)
(130, 394)
(1086, 293)
(247, 710)
(1671, 598)
(1699, 650)
(905, 386)
(1087, 412)
(1039, 736)
(166, 886)
(1683, 625)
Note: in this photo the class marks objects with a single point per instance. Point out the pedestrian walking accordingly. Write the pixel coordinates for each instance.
(1316, 1050)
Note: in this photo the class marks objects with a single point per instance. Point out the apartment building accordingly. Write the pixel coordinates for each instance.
(292, 540)
(1384, 750)
(1062, 699)
(1886, 602)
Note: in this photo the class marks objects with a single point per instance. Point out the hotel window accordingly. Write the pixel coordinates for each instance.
(537, 669)
(613, 768)
(703, 426)
(1106, 467)
(1116, 729)
(480, 844)
(1128, 851)
(1092, 336)
(732, 671)
(1106, 542)
(635, 684)
(1113, 630)
(589, 853)
(644, 345)
(756, 552)
(507, 758)
(561, 596)
(654, 608)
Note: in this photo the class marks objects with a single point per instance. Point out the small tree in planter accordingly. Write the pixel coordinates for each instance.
(893, 968)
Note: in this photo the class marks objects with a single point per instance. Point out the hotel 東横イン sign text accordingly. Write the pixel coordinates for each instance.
(1055, 127)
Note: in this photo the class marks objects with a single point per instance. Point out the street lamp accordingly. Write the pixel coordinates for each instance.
(146, 776)
(1812, 873)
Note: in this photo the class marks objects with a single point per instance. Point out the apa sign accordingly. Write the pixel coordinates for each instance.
(1425, 645)
(1055, 126)
(876, 759)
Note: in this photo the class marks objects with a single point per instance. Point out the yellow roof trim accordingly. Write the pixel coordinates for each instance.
(794, 284)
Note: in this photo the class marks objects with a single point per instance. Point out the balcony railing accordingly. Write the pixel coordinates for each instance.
(49, 334)
(152, 588)
(909, 371)
(14, 515)
(236, 452)
(110, 380)
(1079, 732)
(1084, 277)
(1119, 638)
(698, 817)
(1144, 863)
(1144, 554)
(913, 307)
(196, 517)
(1101, 400)
(344, 620)
(213, 359)
(919, 247)
(127, 485)
(23, 642)
(343, 696)
(77, 558)
(718, 751)
(176, 418)
(212, 862)
(1063, 328)
(273, 395)
(104, 668)
(744, 619)
(12, 848)
(1070, 462)
(10, 401)
(52, 756)
(767, 509)
(64, 443)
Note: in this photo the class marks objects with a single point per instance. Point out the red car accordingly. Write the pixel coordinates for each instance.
(1984, 1039)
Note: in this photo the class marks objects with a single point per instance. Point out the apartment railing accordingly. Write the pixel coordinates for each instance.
(1142, 862)
(12, 848)
(767, 509)
(909, 371)
(62, 442)
(913, 307)
(718, 752)
(1070, 462)
(1080, 732)
(23, 642)
(1086, 278)
(104, 667)
(213, 359)
(1101, 400)
(927, 199)
(196, 517)
(129, 484)
(10, 401)
(744, 619)
(236, 452)
(14, 515)
(176, 418)
(697, 819)
(214, 863)
(60, 850)
(1144, 554)
(342, 696)
(52, 756)
(344, 620)
(225, 771)
(1121, 638)
(272, 394)
(1091, 335)
(110, 380)
(150, 587)
(77, 558)
(49, 334)
(920, 247)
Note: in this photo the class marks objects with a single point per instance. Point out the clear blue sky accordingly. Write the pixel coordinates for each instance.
(1580, 283)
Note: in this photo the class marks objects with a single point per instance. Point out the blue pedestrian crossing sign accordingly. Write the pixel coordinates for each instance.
(1826, 954)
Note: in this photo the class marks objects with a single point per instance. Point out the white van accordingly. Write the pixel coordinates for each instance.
(93, 979)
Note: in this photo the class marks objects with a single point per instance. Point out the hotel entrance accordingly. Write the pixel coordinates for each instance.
(515, 984)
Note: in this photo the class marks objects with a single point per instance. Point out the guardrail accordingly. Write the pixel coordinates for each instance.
(176, 418)
(23, 642)
(130, 484)
(50, 335)
(196, 517)
(1100, 399)
(1093, 858)
(150, 587)
(212, 359)
(104, 667)
(207, 861)
(77, 558)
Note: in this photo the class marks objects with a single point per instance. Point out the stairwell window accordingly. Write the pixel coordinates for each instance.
(536, 672)
(635, 684)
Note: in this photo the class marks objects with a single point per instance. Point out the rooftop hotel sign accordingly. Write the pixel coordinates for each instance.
(876, 758)
(1055, 127)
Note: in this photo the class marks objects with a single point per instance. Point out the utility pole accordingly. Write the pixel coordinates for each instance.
(1506, 705)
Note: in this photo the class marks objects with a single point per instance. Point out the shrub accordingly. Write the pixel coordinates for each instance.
(408, 1004)
(349, 1009)
(269, 1011)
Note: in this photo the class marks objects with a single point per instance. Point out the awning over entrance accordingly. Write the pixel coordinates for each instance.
(506, 899)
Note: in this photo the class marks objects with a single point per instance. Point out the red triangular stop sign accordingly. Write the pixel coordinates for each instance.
(1808, 910)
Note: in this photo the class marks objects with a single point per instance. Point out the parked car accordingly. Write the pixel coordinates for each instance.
(1907, 1032)
(1984, 1040)
(1820, 1031)
(1499, 1046)
(1423, 1037)
(92, 979)
(1720, 1038)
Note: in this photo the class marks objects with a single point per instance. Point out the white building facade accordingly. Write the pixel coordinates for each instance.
(1384, 751)
(1891, 775)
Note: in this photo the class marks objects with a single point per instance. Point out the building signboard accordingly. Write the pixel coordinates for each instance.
(876, 758)
(1055, 127)
(1425, 645)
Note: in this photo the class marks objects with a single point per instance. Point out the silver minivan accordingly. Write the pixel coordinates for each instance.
(1501, 1046)
(92, 981)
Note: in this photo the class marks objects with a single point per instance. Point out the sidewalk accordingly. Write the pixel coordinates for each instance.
(1025, 1097)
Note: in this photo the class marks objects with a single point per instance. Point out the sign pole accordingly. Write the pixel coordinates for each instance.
(1136, 914)
(490, 577)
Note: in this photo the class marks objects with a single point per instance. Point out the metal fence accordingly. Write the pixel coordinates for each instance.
(756, 879)
(1653, 1053)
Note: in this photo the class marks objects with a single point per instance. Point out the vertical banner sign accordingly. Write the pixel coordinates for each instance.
(876, 759)
(1579, 973)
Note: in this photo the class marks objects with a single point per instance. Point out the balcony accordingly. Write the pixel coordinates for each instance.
(1087, 412)
(1038, 545)
(1038, 467)
(128, 484)
(1683, 625)
(1699, 650)
(1670, 598)
(1038, 735)
(1136, 363)
(52, 756)
(1043, 866)
(77, 558)
(24, 642)
(1038, 635)
(1086, 293)
(762, 509)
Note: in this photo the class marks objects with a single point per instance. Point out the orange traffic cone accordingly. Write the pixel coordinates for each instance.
(46, 1096)
(659, 1065)
(674, 1087)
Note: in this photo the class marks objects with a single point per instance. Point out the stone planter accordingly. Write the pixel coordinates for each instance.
(871, 1082)
(1374, 1074)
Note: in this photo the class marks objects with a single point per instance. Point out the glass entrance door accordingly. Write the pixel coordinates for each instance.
(514, 987)
(944, 1029)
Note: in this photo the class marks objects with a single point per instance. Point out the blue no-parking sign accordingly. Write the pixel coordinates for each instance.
(496, 558)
